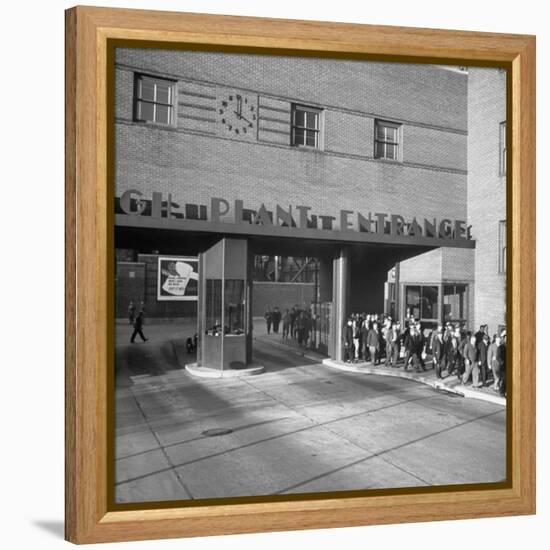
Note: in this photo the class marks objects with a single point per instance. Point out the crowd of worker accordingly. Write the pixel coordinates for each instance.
(450, 349)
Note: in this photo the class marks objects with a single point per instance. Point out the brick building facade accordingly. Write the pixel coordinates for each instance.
(333, 135)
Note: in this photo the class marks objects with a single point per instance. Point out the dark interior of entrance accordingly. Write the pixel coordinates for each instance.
(344, 277)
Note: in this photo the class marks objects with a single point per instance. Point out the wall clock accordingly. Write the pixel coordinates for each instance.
(238, 114)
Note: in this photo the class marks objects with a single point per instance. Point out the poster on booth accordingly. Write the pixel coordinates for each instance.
(178, 278)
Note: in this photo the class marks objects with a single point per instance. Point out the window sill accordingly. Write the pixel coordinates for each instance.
(307, 148)
(388, 161)
(157, 125)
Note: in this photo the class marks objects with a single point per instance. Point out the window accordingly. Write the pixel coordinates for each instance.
(422, 302)
(502, 246)
(502, 154)
(455, 303)
(306, 126)
(387, 138)
(154, 100)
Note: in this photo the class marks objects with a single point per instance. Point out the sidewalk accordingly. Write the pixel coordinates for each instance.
(428, 377)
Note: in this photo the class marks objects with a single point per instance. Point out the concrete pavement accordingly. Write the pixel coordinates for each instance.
(299, 427)
(428, 377)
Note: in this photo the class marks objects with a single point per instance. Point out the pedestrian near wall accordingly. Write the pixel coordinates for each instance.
(286, 324)
(138, 327)
(268, 316)
(276, 318)
(293, 318)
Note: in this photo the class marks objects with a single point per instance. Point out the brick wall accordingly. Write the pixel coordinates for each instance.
(486, 191)
(198, 159)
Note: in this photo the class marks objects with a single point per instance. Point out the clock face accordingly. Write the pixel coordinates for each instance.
(238, 114)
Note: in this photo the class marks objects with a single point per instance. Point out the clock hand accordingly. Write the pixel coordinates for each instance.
(241, 116)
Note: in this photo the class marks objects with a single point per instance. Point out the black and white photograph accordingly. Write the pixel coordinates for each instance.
(310, 275)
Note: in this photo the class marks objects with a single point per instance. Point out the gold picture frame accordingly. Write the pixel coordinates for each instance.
(91, 35)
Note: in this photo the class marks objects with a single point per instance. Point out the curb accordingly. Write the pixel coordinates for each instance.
(207, 372)
(436, 384)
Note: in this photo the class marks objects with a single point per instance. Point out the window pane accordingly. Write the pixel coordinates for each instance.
(145, 111)
(429, 302)
(311, 138)
(311, 120)
(147, 90)
(380, 132)
(163, 114)
(454, 302)
(413, 301)
(213, 302)
(391, 151)
(300, 119)
(234, 306)
(163, 93)
(392, 135)
(299, 136)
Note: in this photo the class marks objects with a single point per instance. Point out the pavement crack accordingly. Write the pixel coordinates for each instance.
(163, 450)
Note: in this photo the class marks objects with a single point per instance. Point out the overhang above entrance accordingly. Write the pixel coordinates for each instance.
(281, 232)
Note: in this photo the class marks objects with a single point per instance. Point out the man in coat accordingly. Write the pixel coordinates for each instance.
(373, 342)
(395, 343)
(348, 342)
(276, 319)
(438, 351)
(138, 327)
(470, 363)
(268, 316)
(482, 351)
(416, 348)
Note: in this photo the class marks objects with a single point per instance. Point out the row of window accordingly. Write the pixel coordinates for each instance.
(154, 102)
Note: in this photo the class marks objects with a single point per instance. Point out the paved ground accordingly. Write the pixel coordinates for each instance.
(299, 427)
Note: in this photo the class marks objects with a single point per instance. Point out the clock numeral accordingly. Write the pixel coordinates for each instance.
(223, 120)
(252, 108)
(230, 127)
(224, 103)
(230, 98)
(250, 125)
(253, 117)
(221, 111)
(244, 130)
(236, 130)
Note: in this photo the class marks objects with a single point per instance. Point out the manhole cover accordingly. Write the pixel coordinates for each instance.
(217, 431)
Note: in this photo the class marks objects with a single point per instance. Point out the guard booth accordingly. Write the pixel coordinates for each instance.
(225, 306)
